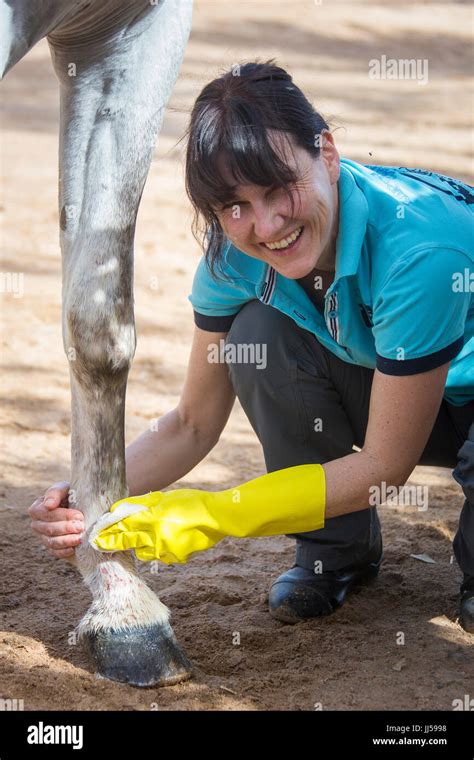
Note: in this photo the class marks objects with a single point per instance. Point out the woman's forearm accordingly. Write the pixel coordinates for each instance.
(353, 482)
(160, 457)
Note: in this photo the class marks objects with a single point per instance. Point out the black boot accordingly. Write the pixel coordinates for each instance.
(300, 594)
(466, 612)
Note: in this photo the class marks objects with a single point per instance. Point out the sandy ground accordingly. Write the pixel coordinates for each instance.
(352, 659)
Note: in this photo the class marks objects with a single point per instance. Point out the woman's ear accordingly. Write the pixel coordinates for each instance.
(330, 156)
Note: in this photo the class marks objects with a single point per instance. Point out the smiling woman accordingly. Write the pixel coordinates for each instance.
(357, 264)
(344, 274)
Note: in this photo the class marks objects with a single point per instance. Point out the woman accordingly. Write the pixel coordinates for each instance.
(353, 284)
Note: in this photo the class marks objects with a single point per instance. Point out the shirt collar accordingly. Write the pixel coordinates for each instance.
(353, 216)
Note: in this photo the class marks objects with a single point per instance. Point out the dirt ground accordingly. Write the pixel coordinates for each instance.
(350, 660)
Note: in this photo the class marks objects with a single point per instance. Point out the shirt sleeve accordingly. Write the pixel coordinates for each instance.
(217, 302)
(420, 312)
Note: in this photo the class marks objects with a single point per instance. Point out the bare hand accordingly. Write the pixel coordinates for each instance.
(59, 527)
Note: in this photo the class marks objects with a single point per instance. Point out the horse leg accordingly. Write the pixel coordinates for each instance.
(111, 111)
(24, 23)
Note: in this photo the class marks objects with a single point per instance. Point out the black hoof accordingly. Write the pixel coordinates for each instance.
(140, 656)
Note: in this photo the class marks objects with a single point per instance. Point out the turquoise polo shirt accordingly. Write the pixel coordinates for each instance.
(402, 299)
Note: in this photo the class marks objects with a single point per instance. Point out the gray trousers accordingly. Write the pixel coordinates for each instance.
(304, 383)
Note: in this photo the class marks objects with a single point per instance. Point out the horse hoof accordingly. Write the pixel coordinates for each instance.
(141, 656)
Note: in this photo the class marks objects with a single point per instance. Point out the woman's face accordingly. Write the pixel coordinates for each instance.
(259, 221)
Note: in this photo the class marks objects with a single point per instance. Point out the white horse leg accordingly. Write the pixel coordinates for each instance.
(111, 109)
(23, 23)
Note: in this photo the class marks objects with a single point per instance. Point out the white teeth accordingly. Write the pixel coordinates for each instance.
(285, 242)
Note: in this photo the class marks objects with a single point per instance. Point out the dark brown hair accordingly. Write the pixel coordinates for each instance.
(230, 119)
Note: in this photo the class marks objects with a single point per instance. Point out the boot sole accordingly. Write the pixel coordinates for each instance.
(286, 614)
(467, 624)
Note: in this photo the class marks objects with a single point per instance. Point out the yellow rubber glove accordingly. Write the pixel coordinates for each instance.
(172, 525)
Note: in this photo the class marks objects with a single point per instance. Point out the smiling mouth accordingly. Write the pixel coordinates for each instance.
(286, 242)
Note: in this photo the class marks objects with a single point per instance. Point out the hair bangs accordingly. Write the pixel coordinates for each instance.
(235, 153)
(248, 153)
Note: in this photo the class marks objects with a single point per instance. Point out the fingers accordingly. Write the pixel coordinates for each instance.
(56, 494)
(149, 554)
(62, 553)
(54, 497)
(38, 511)
(58, 528)
(118, 541)
(55, 543)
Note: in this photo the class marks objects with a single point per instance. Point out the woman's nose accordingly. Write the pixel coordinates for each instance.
(267, 225)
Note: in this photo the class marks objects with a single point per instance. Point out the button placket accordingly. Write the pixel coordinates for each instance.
(330, 314)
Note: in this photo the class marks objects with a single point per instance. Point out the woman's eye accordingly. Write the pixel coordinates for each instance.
(233, 204)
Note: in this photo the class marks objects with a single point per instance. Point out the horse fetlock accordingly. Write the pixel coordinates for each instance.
(120, 599)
